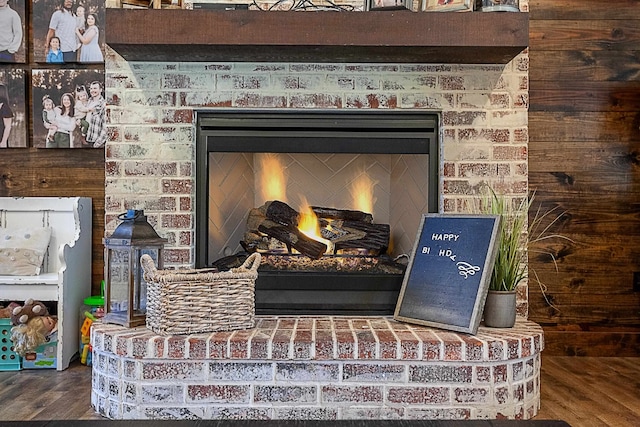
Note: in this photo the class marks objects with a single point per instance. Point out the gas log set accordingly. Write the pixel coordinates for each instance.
(320, 261)
(342, 229)
(316, 239)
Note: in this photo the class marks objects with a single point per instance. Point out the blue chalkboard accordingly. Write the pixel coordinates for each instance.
(447, 279)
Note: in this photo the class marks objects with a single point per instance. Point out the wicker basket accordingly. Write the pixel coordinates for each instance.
(198, 301)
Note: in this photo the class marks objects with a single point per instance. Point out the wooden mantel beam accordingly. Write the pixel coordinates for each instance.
(378, 37)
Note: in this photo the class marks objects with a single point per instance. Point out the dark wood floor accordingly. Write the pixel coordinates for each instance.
(583, 391)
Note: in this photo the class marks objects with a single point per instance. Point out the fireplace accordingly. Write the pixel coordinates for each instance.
(344, 367)
(323, 154)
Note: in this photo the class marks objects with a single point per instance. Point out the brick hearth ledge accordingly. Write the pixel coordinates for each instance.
(318, 368)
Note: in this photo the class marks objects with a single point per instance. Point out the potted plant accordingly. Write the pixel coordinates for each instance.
(510, 268)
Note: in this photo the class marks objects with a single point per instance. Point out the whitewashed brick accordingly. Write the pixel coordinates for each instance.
(473, 96)
(150, 98)
(230, 82)
(131, 81)
(162, 393)
(206, 99)
(305, 413)
(248, 372)
(171, 81)
(175, 151)
(511, 118)
(314, 68)
(309, 372)
(408, 83)
(249, 68)
(126, 186)
(310, 82)
(204, 67)
(124, 116)
(275, 394)
(367, 413)
(160, 387)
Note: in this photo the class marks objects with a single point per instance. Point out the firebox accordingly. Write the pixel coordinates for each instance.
(375, 172)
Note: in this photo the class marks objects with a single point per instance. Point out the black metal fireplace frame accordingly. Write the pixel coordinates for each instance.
(315, 131)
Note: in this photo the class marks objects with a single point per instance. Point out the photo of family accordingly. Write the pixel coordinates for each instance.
(388, 4)
(12, 31)
(449, 5)
(68, 109)
(13, 117)
(68, 31)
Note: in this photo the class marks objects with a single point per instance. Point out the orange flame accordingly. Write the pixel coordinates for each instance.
(272, 178)
(362, 193)
(309, 226)
(308, 222)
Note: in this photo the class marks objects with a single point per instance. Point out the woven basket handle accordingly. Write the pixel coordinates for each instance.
(250, 264)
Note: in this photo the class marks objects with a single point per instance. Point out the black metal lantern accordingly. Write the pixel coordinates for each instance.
(125, 288)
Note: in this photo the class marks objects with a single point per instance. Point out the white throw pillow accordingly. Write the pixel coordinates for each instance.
(22, 250)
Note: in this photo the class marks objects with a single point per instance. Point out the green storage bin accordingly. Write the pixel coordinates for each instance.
(9, 359)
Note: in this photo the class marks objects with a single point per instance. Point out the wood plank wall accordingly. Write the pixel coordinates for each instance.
(584, 157)
(53, 172)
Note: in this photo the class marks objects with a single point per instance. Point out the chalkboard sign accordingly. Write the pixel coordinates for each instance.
(447, 279)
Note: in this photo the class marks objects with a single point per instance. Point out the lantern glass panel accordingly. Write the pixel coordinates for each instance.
(119, 276)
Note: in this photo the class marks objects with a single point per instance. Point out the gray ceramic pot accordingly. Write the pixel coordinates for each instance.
(500, 309)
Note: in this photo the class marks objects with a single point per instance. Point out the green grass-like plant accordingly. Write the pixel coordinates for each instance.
(510, 266)
(517, 234)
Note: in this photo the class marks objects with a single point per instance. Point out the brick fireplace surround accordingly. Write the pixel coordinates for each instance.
(317, 367)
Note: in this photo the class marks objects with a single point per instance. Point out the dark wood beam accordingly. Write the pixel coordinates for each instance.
(378, 37)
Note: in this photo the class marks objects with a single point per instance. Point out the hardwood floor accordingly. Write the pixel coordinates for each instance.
(583, 391)
(591, 391)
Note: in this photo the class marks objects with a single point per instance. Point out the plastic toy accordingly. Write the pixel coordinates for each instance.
(27, 337)
(30, 309)
(5, 312)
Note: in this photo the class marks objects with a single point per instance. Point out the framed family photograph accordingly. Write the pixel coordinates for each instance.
(447, 279)
(69, 108)
(388, 4)
(13, 31)
(68, 31)
(13, 106)
(500, 5)
(448, 5)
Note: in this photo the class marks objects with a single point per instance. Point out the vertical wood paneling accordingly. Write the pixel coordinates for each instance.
(584, 157)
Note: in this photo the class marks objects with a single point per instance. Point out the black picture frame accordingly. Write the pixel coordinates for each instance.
(447, 278)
